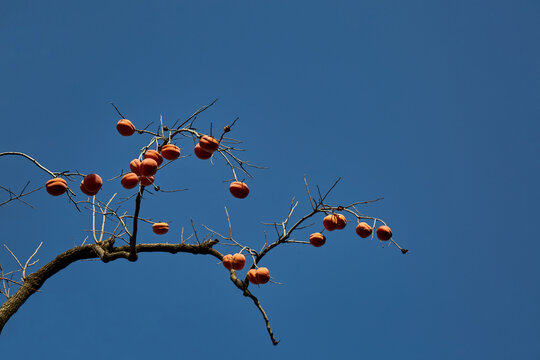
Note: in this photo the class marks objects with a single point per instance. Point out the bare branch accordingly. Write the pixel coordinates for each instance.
(28, 261)
(118, 111)
(29, 158)
(12, 254)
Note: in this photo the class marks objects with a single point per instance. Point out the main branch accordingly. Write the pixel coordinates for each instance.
(35, 281)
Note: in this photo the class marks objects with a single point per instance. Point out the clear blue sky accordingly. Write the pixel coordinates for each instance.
(432, 104)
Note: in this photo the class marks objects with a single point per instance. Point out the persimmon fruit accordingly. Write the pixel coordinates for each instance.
(239, 189)
(227, 261)
(384, 233)
(317, 239)
(238, 261)
(201, 154)
(363, 230)
(252, 276)
(160, 228)
(147, 180)
(263, 275)
(56, 186)
(208, 143)
(330, 222)
(170, 152)
(135, 166)
(341, 221)
(92, 183)
(259, 276)
(153, 154)
(130, 180)
(125, 127)
(85, 191)
(148, 167)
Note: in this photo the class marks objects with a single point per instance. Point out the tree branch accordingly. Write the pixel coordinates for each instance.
(35, 280)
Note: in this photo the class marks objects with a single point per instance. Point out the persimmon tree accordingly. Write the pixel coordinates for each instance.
(114, 233)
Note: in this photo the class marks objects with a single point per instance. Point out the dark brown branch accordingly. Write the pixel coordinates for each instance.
(35, 280)
(133, 237)
(192, 116)
(118, 111)
(242, 285)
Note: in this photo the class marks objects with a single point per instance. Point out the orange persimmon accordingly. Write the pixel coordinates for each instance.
(201, 154)
(239, 189)
(153, 154)
(252, 276)
(92, 183)
(330, 222)
(148, 167)
(227, 261)
(125, 127)
(160, 228)
(238, 261)
(170, 152)
(56, 186)
(317, 239)
(384, 233)
(135, 166)
(146, 181)
(341, 222)
(208, 143)
(86, 191)
(363, 230)
(263, 275)
(130, 180)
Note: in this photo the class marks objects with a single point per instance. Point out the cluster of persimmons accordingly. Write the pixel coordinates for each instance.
(144, 172)
(255, 276)
(338, 221)
(330, 222)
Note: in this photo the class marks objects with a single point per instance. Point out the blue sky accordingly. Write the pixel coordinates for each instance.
(432, 104)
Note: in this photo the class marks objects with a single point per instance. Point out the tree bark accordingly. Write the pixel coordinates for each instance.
(35, 280)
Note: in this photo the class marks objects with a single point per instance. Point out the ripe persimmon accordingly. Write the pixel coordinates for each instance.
(227, 261)
(263, 275)
(130, 180)
(135, 166)
(330, 222)
(160, 228)
(208, 143)
(153, 154)
(239, 189)
(85, 191)
(238, 261)
(147, 180)
(201, 154)
(317, 239)
(148, 167)
(125, 127)
(92, 183)
(252, 276)
(170, 152)
(363, 230)
(341, 221)
(384, 233)
(259, 276)
(56, 186)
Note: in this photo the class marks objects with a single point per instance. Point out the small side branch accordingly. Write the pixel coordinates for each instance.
(242, 285)
(29, 158)
(265, 317)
